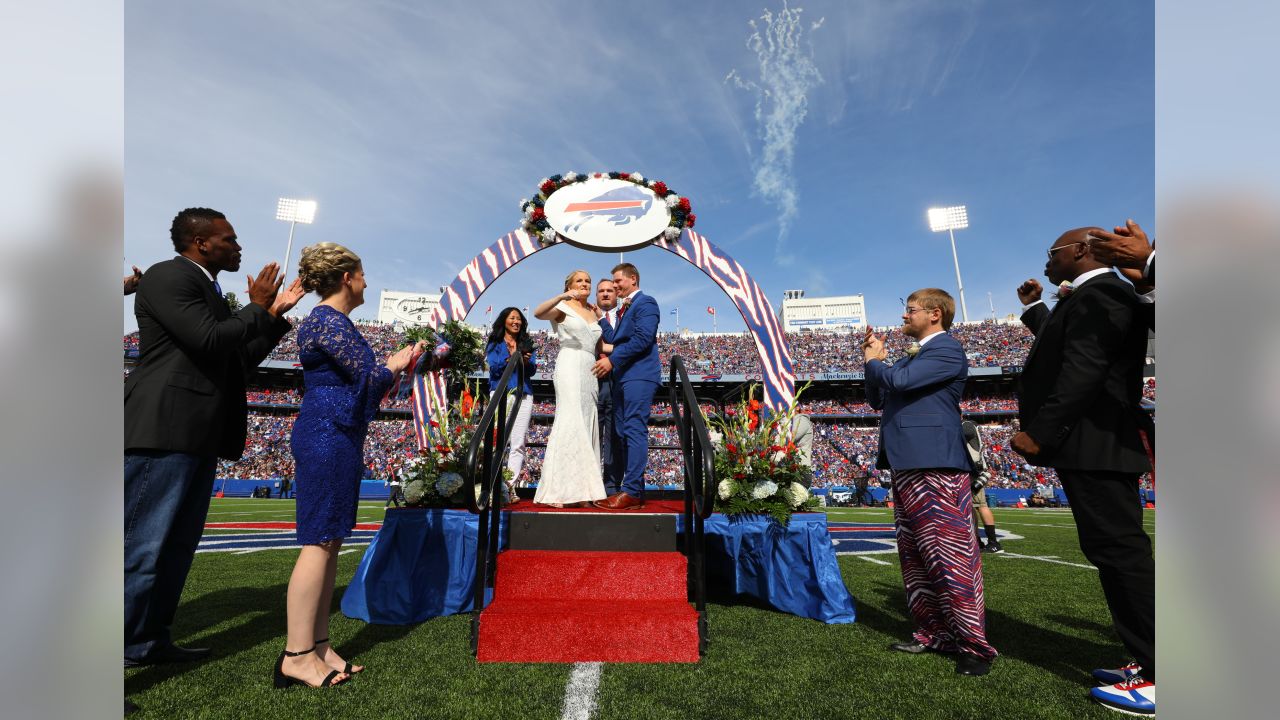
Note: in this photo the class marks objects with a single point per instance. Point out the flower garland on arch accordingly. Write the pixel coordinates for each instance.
(535, 220)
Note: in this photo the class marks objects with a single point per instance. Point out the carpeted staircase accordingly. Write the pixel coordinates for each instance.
(624, 598)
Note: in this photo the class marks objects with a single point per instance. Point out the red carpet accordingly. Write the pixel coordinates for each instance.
(577, 606)
(650, 506)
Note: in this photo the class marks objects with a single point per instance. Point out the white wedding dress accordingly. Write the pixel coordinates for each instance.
(571, 470)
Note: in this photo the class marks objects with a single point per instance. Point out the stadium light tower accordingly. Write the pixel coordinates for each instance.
(952, 219)
(294, 212)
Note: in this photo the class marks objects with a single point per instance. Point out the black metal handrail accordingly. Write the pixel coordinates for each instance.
(487, 450)
(699, 485)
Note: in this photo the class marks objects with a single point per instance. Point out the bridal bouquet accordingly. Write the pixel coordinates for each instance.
(434, 476)
(456, 348)
(757, 464)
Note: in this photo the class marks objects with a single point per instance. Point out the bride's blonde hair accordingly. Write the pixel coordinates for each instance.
(569, 280)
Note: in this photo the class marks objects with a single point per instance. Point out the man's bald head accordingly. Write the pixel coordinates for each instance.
(1071, 256)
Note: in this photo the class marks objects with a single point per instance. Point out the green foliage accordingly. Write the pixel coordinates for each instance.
(465, 354)
(232, 302)
(436, 477)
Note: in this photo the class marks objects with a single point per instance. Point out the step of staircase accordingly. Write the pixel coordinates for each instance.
(565, 631)
(589, 606)
(591, 575)
(630, 532)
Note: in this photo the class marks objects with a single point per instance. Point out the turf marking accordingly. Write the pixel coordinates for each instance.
(580, 694)
(1073, 527)
(1047, 558)
(873, 560)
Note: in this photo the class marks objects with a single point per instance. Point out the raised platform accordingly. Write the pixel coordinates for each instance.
(422, 563)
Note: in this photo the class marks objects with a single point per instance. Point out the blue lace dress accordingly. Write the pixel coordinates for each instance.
(344, 384)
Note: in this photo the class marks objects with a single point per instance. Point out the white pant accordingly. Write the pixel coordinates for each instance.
(515, 458)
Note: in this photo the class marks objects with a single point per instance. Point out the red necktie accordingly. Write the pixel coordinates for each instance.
(623, 310)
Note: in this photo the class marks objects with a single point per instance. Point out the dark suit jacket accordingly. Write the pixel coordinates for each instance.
(920, 399)
(187, 393)
(635, 341)
(1080, 390)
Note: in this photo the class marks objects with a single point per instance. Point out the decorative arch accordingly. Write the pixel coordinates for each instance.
(728, 274)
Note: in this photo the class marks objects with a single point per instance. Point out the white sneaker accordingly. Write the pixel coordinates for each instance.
(1134, 696)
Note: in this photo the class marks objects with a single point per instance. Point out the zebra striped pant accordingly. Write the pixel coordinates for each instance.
(941, 565)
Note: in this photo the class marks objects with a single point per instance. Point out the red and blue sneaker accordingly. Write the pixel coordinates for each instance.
(1134, 696)
(1111, 676)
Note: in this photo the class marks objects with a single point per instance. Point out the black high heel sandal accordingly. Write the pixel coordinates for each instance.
(283, 681)
(346, 669)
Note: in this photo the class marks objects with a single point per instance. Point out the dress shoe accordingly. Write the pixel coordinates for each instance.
(621, 501)
(909, 646)
(168, 654)
(970, 664)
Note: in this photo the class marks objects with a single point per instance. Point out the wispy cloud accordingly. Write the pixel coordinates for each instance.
(786, 75)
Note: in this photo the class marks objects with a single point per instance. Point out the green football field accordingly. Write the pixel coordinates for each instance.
(1045, 614)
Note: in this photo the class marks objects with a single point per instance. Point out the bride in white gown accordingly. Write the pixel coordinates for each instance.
(571, 470)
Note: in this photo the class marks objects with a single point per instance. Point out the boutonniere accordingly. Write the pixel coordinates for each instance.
(1065, 288)
(913, 349)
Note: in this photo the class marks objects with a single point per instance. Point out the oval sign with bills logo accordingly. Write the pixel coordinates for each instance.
(608, 215)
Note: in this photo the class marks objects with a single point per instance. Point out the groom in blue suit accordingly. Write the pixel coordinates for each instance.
(637, 373)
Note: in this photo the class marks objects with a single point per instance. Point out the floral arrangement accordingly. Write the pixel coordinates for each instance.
(757, 464)
(457, 348)
(433, 476)
(535, 220)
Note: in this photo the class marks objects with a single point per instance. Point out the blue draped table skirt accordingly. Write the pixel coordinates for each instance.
(422, 565)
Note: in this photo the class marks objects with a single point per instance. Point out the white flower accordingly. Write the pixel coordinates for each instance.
(523, 202)
(799, 494)
(671, 233)
(727, 488)
(779, 457)
(570, 176)
(673, 200)
(913, 349)
(717, 439)
(549, 236)
(637, 177)
(415, 492)
(528, 211)
(448, 483)
(763, 489)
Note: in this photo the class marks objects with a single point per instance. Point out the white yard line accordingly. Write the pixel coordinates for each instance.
(873, 560)
(580, 694)
(1046, 558)
(999, 523)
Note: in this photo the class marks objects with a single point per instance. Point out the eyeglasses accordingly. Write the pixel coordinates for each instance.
(913, 311)
(1053, 250)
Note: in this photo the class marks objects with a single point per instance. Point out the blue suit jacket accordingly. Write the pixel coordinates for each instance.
(920, 399)
(635, 341)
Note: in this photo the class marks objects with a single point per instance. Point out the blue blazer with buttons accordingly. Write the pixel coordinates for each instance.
(920, 402)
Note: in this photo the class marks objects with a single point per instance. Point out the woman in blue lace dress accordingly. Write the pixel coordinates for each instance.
(344, 385)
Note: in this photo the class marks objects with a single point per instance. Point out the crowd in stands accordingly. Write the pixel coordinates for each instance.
(988, 345)
(841, 453)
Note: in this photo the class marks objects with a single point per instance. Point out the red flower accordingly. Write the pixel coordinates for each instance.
(690, 220)
(538, 214)
(684, 205)
(599, 175)
(661, 189)
(738, 476)
(435, 424)
(547, 187)
(754, 404)
(731, 448)
(754, 423)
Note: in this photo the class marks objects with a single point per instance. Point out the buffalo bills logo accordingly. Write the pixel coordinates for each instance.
(618, 207)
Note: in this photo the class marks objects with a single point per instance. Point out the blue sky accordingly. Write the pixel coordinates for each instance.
(419, 127)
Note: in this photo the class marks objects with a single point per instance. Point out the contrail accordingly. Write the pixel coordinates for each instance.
(787, 74)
